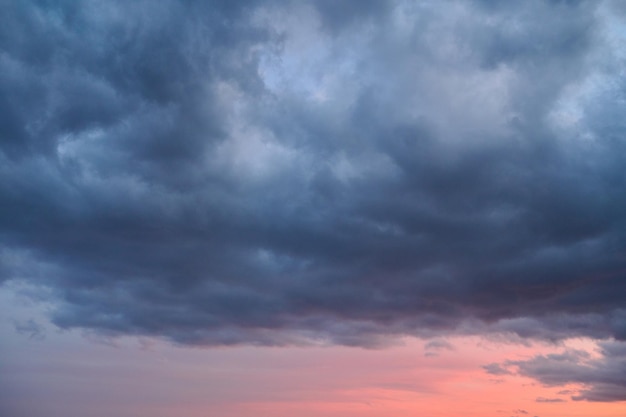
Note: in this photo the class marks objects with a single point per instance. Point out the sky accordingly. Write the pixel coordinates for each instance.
(312, 208)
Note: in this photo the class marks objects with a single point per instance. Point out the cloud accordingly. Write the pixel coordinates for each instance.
(549, 400)
(433, 347)
(496, 369)
(438, 344)
(283, 173)
(30, 328)
(602, 377)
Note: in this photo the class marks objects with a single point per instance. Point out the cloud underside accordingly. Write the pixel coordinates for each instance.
(277, 173)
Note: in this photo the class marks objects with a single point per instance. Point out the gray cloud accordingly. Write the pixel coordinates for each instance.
(277, 173)
(438, 344)
(433, 347)
(602, 378)
(496, 369)
(549, 400)
(30, 328)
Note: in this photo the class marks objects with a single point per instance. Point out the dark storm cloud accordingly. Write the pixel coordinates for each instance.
(274, 173)
(602, 378)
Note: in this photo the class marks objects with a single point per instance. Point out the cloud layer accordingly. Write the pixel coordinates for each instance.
(602, 377)
(276, 173)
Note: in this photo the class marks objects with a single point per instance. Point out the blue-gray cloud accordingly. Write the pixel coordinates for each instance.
(30, 328)
(602, 378)
(549, 400)
(279, 172)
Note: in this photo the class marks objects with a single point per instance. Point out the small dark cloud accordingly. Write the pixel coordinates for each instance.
(549, 400)
(30, 328)
(434, 347)
(438, 344)
(496, 369)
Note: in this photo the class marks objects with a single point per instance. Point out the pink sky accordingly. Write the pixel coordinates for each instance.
(68, 374)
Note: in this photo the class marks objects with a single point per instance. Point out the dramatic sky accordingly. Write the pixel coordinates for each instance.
(312, 208)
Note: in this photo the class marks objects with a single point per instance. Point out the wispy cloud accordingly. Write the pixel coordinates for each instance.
(30, 328)
(602, 378)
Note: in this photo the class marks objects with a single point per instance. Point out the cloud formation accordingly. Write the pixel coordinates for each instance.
(602, 377)
(286, 172)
